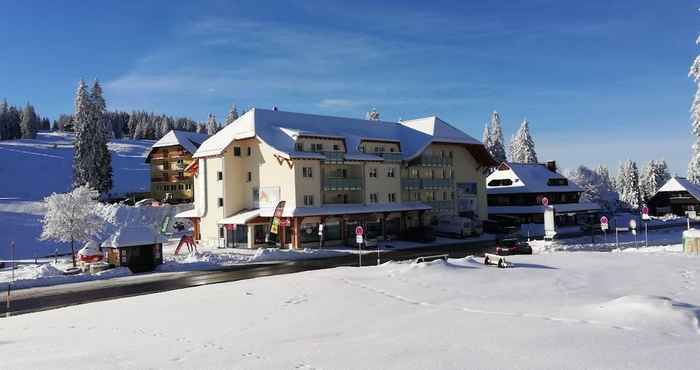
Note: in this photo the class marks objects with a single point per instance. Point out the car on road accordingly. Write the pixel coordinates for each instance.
(510, 246)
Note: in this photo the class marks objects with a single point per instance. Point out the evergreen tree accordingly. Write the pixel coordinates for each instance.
(605, 178)
(212, 125)
(496, 142)
(84, 157)
(628, 185)
(4, 134)
(694, 165)
(201, 128)
(522, 147)
(28, 124)
(98, 107)
(231, 116)
(595, 187)
(654, 176)
(13, 123)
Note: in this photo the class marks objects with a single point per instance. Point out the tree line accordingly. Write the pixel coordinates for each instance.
(20, 123)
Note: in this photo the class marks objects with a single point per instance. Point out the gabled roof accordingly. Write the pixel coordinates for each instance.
(280, 129)
(680, 184)
(527, 178)
(189, 141)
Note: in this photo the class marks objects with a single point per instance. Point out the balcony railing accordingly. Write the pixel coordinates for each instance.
(410, 183)
(436, 183)
(330, 184)
(434, 160)
(334, 156)
(390, 156)
(440, 204)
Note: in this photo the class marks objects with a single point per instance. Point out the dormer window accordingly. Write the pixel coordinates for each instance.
(299, 147)
(557, 182)
(501, 182)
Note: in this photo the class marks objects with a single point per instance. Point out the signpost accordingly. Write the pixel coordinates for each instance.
(12, 281)
(320, 235)
(633, 226)
(645, 217)
(604, 228)
(617, 237)
(359, 231)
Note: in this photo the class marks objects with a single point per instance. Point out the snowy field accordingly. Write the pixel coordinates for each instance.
(33, 169)
(577, 310)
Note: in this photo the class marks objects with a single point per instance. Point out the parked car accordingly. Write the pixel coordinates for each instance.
(458, 226)
(420, 234)
(510, 246)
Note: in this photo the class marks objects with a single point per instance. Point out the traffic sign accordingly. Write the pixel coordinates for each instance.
(633, 224)
(604, 223)
(645, 213)
(359, 231)
(359, 239)
(545, 201)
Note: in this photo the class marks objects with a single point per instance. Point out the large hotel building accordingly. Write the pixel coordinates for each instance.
(323, 176)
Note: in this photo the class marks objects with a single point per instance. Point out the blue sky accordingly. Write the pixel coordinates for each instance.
(599, 81)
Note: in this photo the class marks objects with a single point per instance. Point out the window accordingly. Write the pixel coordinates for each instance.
(219, 175)
(362, 148)
(373, 172)
(250, 176)
(188, 186)
(336, 147)
(308, 200)
(451, 154)
(373, 198)
(306, 172)
(501, 182)
(256, 195)
(221, 232)
(413, 173)
(181, 187)
(180, 174)
(378, 149)
(557, 182)
(444, 195)
(250, 151)
(299, 147)
(390, 172)
(316, 147)
(236, 151)
(221, 202)
(341, 173)
(392, 197)
(391, 149)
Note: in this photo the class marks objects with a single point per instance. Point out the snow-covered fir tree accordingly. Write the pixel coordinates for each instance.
(605, 177)
(654, 176)
(72, 217)
(595, 187)
(486, 138)
(628, 185)
(29, 125)
(231, 116)
(694, 165)
(212, 125)
(496, 143)
(372, 115)
(104, 133)
(522, 147)
(201, 128)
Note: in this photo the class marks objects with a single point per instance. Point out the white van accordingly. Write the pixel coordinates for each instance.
(458, 226)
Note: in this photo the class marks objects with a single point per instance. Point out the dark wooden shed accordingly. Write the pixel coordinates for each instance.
(138, 248)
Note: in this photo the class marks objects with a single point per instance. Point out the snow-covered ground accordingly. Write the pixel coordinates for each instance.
(576, 310)
(33, 169)
(666, 238)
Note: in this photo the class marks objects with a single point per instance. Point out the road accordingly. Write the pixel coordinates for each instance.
(56, 297)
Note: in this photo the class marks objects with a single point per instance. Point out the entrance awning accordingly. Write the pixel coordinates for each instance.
(240, 218)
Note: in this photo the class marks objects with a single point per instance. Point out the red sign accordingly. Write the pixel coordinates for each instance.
(603, 220)
(645, 210)
(230, 226)
(545, 201)
(286, 222)
(359, 231)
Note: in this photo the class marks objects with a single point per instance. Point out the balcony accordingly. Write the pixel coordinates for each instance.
(390, 156)
(433, 160)
(436, 183)
(408, 183)
(334, 156)
(334, 184)
(440, 204)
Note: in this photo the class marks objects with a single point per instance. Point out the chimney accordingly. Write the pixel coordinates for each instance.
(274, 108)
(551, 165)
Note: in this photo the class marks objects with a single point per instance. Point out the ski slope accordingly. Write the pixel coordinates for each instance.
(33, 169)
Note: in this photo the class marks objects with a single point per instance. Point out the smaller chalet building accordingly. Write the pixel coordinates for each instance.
(676, 196)
(515, 192)
(169, 158)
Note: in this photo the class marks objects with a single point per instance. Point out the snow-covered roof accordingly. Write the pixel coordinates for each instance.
(189, 141)
(132, 236)
(240, 218)
(680, 184)
(348, 209)
(558, 208)
(527, 178)
(281, 129)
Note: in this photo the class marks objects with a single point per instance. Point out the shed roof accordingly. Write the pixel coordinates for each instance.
(528, 178)
(680, 184)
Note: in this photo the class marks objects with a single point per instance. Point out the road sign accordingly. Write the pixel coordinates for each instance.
(545, 201)
(633, 224)
(645, 213)
(359, 231)
(604, 223)
(359, 239)
(320, 229)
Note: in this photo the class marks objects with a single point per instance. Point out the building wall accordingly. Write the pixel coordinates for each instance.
(208, 168)
(382, 185)
(308, 185)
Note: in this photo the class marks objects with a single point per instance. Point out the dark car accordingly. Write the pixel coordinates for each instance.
(510, 246)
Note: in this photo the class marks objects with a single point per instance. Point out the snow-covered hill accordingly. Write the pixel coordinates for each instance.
(33, 169)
